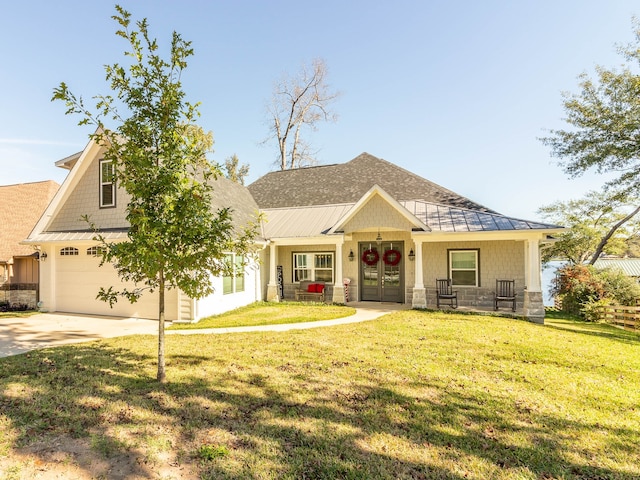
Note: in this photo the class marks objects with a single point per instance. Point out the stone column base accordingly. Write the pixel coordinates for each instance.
(338, 294)
(419, 299)
(272, 293)
(533, 309)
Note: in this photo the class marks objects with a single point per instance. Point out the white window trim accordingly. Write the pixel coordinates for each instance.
(311, 264)
(236, 269)
(476, 252)
(103, 184)
(69, 252)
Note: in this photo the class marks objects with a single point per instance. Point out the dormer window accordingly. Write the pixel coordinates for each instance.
(107, 184)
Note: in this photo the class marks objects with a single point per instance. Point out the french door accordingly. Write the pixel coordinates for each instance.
(381, 272)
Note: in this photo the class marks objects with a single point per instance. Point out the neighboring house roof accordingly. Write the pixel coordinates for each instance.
(347, 183)
(630, 266)
(20, 208)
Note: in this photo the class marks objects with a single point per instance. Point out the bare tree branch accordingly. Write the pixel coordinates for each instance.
(299, 103)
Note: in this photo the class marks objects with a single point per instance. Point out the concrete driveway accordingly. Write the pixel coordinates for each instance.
(19, 335)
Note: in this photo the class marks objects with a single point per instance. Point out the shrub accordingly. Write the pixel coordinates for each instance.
(13, 307)
(583, 288)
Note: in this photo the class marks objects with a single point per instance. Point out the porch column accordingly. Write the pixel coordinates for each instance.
(272, 286)
(338, 287)
(419, 299)
(533, 303)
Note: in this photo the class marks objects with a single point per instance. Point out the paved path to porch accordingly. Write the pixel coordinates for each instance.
(20, 335)
(364, 311)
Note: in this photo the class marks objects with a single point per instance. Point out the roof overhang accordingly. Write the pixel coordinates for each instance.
(516, 235)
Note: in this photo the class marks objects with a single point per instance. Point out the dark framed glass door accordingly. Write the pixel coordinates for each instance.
(381, 272)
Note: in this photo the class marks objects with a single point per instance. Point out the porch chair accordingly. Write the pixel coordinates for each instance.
(505, 292)
(445, 294)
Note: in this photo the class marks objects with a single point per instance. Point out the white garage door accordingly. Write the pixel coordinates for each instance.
(78, 281)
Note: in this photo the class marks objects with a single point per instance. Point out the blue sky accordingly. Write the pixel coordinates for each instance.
(457, 92)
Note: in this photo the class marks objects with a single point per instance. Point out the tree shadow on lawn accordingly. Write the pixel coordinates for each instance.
(602, 330)
(285, 421)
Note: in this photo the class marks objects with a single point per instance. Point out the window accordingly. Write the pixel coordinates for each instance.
(107, 184)
(313, 266)
(234, 282)
(68, 251)
(464, 267)
(95, 251)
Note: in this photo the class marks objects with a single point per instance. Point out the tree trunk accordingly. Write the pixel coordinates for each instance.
(606, 238)
(161, 362)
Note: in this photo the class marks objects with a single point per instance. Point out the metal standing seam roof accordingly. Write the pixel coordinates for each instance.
(316, 220)
(298, 222)
(445, 218)
(630, 266)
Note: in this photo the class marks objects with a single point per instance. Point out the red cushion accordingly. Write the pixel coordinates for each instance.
(319, 288)
(311, 288)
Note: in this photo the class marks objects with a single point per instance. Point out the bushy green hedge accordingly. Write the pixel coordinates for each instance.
(583, 288)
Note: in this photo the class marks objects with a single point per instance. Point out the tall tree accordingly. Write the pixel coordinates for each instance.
(299, 103)
(158, 152)
(599, 222)
(605, 116)
(234, 171)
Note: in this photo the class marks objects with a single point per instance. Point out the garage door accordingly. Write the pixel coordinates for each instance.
(78, 281)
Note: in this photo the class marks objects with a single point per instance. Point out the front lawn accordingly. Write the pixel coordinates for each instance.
(270, 313)
(410, 395)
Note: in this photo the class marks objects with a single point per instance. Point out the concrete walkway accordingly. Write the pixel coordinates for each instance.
(19, 335)
(364, 311)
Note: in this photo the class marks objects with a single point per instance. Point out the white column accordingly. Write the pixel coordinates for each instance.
(419, 283)
(532, 266)
(533, 305)
(419, 299)
(272, 286)
(338, 287)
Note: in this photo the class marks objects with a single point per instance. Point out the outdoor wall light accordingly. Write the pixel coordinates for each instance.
(43, 256)
(351, 255)
(378, 238)
(412, 256)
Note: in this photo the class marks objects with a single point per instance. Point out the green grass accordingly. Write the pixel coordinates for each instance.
(20, 314)
(270, 313)
(411, 395)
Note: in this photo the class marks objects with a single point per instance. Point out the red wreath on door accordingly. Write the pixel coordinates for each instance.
(391, 257)
(370, 257)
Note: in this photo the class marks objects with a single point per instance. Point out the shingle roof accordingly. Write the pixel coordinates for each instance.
(227, 193)
(20, 208)
(347, 183)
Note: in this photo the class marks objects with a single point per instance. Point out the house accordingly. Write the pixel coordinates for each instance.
(20, 208)
(383, 234)
(70, 266)
(370, 230)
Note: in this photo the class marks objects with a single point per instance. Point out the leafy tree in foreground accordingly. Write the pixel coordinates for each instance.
(598, 222)
(299, 103)
(159, 158)
(605, 116)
